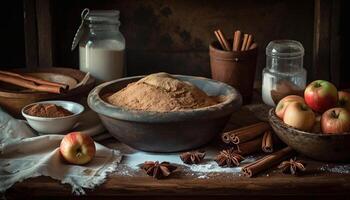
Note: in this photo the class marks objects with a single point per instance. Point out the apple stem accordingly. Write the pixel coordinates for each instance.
(78, 152)
(317, 85)
(335, 114)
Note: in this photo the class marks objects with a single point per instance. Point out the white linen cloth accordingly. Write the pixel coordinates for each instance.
(24, 155)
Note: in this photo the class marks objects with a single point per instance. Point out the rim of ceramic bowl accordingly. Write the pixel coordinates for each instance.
(231, 103)
(80, 107)
(274, 120)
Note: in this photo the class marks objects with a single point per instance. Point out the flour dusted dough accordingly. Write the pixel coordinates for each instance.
(161, 92)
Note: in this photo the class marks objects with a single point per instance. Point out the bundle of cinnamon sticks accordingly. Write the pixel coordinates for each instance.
(33, 83)
(248, 137)
(239, 43)
(254, 138)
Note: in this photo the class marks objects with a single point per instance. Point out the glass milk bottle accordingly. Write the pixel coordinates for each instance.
(102, 48)
(284, 73)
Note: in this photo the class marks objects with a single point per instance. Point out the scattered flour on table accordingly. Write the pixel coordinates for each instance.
(135, 159)
(123, 172)
(203, 177)
(341, 169)
(208, 166)
(212, 166)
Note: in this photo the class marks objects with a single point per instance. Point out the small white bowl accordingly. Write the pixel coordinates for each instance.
(55, 125)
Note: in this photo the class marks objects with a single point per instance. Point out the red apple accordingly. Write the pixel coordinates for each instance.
(344, 100)
(321, 95)
(335, 120)
(77, 148)
(299, 116)
(283, 103)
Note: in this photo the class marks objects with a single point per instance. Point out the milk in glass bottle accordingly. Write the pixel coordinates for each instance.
(102, 46)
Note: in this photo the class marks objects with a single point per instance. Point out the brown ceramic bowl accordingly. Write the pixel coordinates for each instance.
(323, 147)
(169, 131)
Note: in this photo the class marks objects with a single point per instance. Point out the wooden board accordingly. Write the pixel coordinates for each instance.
(185, 186)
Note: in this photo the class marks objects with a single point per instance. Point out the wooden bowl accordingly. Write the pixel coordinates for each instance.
(13, 98)
(323, 147)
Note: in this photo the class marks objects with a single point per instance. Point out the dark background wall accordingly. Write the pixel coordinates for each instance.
(173, 35)
(12, 34)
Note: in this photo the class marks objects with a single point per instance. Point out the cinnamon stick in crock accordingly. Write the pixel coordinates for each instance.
(34, 79)
(267, 142)
(253, 46)
(30, 84)
(266, 162)
(220, 40)
(236, 40)
(244, 134)
(224, 40)
(245, 40)
(249, 42)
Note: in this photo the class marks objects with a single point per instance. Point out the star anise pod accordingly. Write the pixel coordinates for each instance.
(158, 170)
(193, 157)
(292, 166)
(228, 158)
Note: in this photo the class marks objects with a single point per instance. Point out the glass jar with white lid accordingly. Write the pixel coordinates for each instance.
(102, 47)
(284, 73)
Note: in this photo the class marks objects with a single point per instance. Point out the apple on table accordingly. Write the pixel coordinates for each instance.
(77, 148)
(321, 95)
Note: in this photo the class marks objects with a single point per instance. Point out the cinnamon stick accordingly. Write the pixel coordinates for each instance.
(250, 147)
(219, 39)
(249, 42)
(29, 84)
(267, 142)
(237, 40)
(224, 40)
(244, 134)
(266, 162)
(245, 40)
(253, 46)
(34, 79)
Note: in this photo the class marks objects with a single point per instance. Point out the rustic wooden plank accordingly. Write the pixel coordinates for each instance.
(239, 186)
(321, 49)
(30, 34)
(45, 37)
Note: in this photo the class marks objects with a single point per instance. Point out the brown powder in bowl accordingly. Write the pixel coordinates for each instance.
(161, 92)
(47, 110)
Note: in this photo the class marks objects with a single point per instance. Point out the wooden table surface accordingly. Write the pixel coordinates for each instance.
(317, 181)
